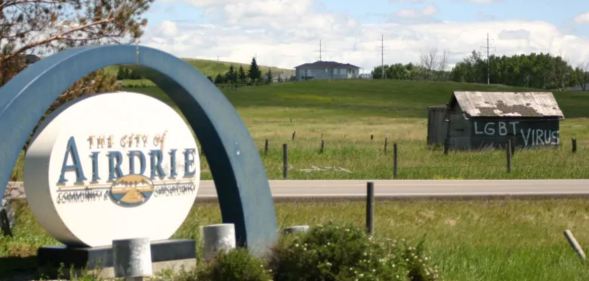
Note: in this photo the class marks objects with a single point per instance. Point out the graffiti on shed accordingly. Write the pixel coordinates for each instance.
(475, 120)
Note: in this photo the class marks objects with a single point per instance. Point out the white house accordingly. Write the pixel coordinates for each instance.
(326, 70)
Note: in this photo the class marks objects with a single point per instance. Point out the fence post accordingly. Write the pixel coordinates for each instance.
(386, 144)
(574, 244)
(284, 160)
(322, 147)
(395, 161)
(508, 155)
(574, 144)
(370, 208)
(512, 145)
(5, 222)
(266, 147)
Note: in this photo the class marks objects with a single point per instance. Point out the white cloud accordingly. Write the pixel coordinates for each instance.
(582, 18)
(426, 11)
(287, 33)
(515, 34)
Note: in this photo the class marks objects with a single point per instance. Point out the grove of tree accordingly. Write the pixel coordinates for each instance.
(540, 71)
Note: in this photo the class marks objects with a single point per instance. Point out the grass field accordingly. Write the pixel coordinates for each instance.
(469, 240)
(345, 114)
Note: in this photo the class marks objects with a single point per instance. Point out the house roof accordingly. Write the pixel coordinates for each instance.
(507, 104)
(326, 64)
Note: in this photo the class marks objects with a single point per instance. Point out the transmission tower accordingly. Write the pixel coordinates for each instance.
(382, 56)
(488, 52)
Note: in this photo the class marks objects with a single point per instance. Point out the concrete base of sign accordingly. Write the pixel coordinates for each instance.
(173, 255)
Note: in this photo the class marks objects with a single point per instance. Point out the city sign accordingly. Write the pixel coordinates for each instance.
(240, 179)
(112, 166)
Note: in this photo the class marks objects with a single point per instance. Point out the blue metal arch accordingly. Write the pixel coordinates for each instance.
(242, 186)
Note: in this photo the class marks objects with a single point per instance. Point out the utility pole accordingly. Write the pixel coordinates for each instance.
(382, 56)
(319, 50)
(488, 62)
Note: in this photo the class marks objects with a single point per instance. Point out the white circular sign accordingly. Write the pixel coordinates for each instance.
(112, 166)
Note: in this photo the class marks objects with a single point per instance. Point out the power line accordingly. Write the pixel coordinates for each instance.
(382, 56)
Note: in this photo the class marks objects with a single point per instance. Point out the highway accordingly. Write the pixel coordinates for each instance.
(411, 189)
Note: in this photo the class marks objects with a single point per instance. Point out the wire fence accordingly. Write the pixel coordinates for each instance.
(444, 163)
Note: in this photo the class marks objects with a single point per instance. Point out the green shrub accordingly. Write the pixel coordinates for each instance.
(234, 265)
(417, 264)
(334, 252)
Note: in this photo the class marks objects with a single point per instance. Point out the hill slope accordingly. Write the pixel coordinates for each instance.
(212, 68)
(389, 98)
(362, 98)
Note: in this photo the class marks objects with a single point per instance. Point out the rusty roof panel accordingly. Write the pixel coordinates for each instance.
(508, 104)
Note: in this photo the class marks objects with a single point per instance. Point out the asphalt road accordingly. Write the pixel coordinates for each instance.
(399, 189)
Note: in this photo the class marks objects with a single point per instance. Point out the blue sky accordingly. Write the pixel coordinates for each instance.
(287, 32)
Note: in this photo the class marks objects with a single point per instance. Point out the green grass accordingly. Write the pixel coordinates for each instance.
(346, 113)
(469, 240)
(348, 99)
(472, 240)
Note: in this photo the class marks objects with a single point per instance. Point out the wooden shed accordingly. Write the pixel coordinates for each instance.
(476, 120)
(437, 126)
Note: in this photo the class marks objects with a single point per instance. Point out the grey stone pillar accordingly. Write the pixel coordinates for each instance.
(296, 229)
(132, 258)
(218, 237)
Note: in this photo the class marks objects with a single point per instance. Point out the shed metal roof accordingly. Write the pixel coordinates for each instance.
(507, 104)
(326, 64)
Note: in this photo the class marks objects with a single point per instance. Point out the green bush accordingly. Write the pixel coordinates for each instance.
(334, 252)
(234, 265)
(417, 264)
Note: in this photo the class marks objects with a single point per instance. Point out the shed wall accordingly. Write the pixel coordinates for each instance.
(478, 133)
(459, 136)
(524, 132)
(437, 127)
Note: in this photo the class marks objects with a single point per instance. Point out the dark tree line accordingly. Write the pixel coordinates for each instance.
(408, 72)
(240, 77)
(432, 67)
(542, 71)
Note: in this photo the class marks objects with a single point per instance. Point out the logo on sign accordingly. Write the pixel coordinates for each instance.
(131, 190)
